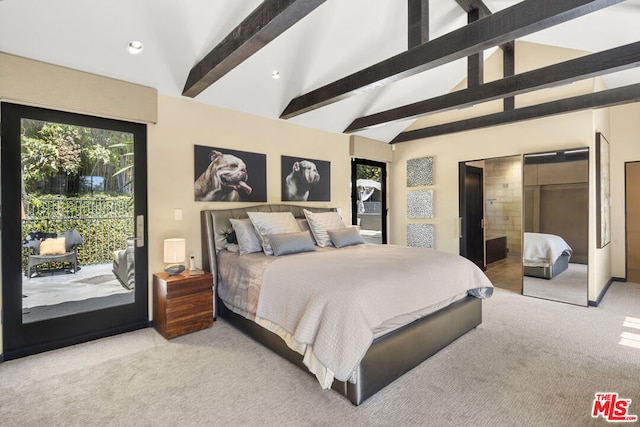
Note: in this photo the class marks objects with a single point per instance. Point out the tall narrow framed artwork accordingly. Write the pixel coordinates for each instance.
(603, 192)
(224, 175)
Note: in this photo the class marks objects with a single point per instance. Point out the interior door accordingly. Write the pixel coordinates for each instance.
(471, 206)
(369, 199)
(49, 161)
(633, 221)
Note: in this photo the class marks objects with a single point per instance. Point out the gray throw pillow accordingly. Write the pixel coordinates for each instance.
(348, 236)
(291, 243)
(72, 238)
(248, 240)
(269, 223)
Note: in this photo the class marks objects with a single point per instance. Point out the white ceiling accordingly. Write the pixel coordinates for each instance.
(338, 38)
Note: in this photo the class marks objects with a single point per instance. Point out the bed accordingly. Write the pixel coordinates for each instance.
(545, 255)
(391, 346)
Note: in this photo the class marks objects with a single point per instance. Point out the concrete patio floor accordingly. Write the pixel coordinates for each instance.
(90, 281)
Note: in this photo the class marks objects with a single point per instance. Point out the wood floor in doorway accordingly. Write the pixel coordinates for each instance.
(506, 273)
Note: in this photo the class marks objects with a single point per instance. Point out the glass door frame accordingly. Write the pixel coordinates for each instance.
(22, 339)
(383, 192)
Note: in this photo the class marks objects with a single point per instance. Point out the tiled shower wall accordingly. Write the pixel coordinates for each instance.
(503, 200)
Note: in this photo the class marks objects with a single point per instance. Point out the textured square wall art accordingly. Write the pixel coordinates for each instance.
(420, 204)
(420, 172)
(420, 235)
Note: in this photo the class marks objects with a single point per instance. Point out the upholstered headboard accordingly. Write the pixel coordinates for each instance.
(216, 226)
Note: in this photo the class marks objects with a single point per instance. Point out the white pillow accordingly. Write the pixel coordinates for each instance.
(320, 222)
(267, 223)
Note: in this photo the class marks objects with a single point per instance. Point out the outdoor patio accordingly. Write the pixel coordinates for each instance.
(62, 293)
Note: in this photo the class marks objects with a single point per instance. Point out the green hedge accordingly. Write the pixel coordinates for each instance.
(104, 222)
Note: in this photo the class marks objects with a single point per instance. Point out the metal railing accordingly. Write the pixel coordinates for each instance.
(104, 223)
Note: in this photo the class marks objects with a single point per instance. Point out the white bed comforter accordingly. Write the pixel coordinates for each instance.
(328, 305)
(542, 250)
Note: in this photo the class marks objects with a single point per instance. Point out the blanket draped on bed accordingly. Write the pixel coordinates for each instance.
(332, 303)
(543, 250)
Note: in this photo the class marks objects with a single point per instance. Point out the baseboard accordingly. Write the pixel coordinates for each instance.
(604, 291)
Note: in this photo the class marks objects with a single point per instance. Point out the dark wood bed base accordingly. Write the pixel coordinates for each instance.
(561, 264)
(389, 356)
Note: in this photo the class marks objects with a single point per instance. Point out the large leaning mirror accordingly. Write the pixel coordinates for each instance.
(556, 225)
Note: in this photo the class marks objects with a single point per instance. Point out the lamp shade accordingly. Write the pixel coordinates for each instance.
(174, 250)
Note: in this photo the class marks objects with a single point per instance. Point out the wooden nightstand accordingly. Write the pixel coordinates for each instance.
(182, 303)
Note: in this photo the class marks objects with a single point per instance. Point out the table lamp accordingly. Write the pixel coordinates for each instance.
(174, 253)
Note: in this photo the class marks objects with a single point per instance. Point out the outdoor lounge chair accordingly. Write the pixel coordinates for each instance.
(45, 248)
(123, 265)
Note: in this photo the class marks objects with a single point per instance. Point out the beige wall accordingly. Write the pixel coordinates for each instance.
(565, 131)
(35, 83)
(183, 123)
(624, 139)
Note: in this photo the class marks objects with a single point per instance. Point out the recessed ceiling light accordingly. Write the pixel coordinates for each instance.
(135, 47)
(275, 74)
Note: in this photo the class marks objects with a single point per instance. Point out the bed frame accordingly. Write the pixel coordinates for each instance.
(561, 264)
(389, 356)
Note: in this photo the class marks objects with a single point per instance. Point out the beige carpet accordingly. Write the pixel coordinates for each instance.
(532, 362)
(570, 286)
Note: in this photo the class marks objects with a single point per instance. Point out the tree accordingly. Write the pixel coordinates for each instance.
(369, 172)
(57, 158)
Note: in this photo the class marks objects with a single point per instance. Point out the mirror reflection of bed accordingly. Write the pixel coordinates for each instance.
(556, 224)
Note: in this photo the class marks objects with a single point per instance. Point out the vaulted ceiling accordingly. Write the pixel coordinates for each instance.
(340, 63)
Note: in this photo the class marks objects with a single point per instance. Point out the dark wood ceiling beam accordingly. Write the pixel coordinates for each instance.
(270, 19)
(501, 27)
(469, 5)
(593, 65)
(602, 99)
(508, 70)
(475, 62)
(418, 22)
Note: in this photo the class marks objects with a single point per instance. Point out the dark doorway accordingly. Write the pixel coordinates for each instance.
(369, 199)
(471, 213)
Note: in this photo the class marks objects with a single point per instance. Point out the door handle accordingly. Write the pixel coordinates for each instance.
(460, 230)
(139, 231)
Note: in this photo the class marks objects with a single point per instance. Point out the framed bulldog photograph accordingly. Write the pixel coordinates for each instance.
(305, 180)
(225, 175)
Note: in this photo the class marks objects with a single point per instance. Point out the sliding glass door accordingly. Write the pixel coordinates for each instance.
(73, 242)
